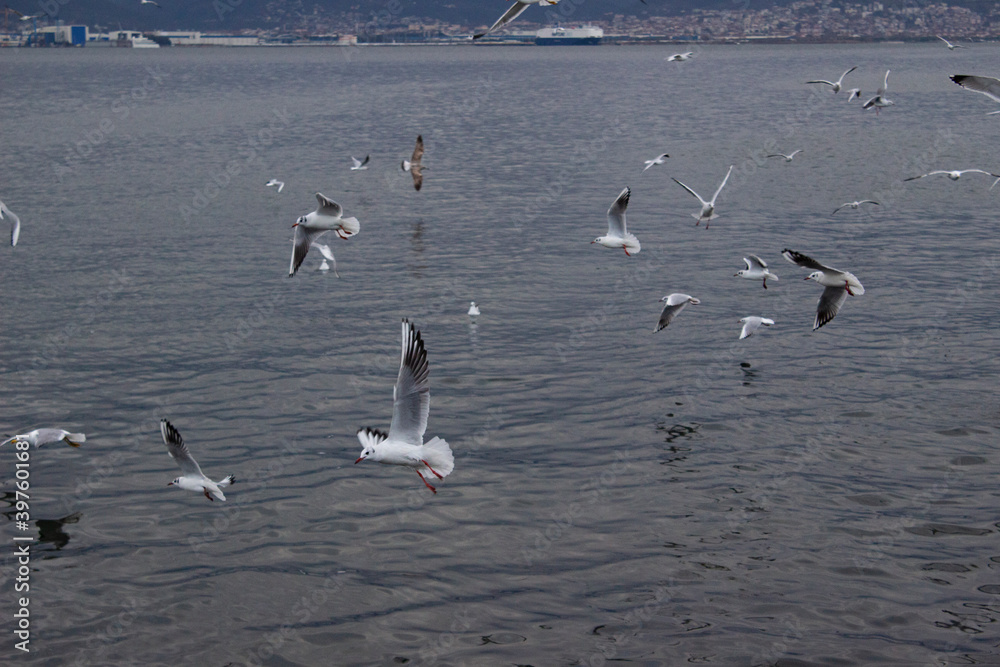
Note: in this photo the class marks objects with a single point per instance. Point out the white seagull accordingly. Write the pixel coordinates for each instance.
(515, 10)
(752, 323)
(150, 2)
(756, 270)
(835, 85)
(659, 159)
(360, 165)
(855, 205)
(310, 227)
(674, 304)
(838, 285)
(48, 436)
(413, 164)
(15, 222)
(473, 309)
(193, 478)
(853, 93)
(273, 182)
(707, 207)
(953, 175)
(681, 57)
(880, 100)
(404, 444)
(951, 47)
(618, 236)
(986, 85)
(788, 158)
(327, 255)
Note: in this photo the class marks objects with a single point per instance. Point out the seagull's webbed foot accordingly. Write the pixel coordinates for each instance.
(433, 490)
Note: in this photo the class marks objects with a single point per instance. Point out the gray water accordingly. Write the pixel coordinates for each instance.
(796, 498)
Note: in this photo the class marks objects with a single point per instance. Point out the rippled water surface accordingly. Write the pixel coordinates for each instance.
(796, 498)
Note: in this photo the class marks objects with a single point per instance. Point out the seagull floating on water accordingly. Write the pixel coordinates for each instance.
(707, 207)
(855, 205)
(951, 47)
(48, 436)
(681, 57)
(752, 323)
(515, 10)
(310, 227)
(986, 85)
(15, 223)
(473, 309)
(674, 304)
(838, 285)
(659, 159)
(413, 164)
(193, 478)
(880, 100)
(788, 158)
(273, 182)
(327, 255)
(618, 236)
(835, 85)
(756, 270)
(360, 165)
(404, 444)
(954, 174)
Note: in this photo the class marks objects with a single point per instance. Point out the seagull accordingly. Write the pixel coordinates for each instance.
(659, 159)
(951, 47)
(838, 285)
(404, 444)
(47, 436)
(515, 10)
(953, 175)
(413, 164)
(473, 309)
(310, 227)
(788, 158)
(327, 255)
(681, 57)
(835, 85)
(986, 85)
(273, 182)
(853, 93)
(15, 229)
(360, 165)
(880, 100)
(756, 270)
(193, 478)
(156, 4)
(618, 236)
(752, 323)
(674, 305)
(707, 207)
(855, 204)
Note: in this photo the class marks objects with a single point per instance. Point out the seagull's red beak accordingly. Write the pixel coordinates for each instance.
(170, 483)
(360, 459)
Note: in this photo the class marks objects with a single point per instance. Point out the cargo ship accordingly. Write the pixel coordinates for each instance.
(569, 36)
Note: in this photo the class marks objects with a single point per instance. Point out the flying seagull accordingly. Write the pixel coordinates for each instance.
(788, 158)
(150, 2)
(752, 323)
(951, 47)
(880, 100)
(193, 478)
(327, 255)
(953, 175)
(986, 85)
(674, 304)
(308, 228)
(838, 285)
(413, 164)
(515, 10)
(15, 223)
(659, 159)
(360, 165)
(681, 57)
(274, 182)
(48, 436)
(834, 85)
(853, 93)
(855, 205)
(618, 236)
(707, 207)
(404, 444)
(756, 270)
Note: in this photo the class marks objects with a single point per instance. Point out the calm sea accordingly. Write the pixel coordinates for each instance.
(796, 498)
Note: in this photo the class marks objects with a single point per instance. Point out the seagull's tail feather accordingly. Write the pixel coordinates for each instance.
(231, 479)
(350, 226)
(632, 244)
(75, 439)
(438, 454)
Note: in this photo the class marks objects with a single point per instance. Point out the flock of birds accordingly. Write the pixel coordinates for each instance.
(403, 443)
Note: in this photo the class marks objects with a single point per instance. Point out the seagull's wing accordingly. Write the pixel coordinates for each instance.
(328, 207)
(756, 260)
(356, 161)
(839, 207)
(668, 314)
(885, 83)
(418, 150)
(795, 152)
(418, 176)
(722, 184)
(869, 201)
(508, 16)
(841, 79)
(367, 158)
(616, 214)
(829, 83)
(986, 85)
(805, 262)
(913, 178)
(979, 171)
(750, 325)
(829, 304)
(411, 397)
(690, 190)
(178, 450)
(300, 246)
(15, 230)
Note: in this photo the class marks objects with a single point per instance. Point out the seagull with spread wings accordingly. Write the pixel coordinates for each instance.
(308, 228)
(413, 164)
(193, 478)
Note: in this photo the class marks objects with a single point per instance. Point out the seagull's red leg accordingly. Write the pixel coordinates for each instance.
(765, 283)
(206, 494)
(847, 286)
(431, 469)
(626, 252)
(426, 484)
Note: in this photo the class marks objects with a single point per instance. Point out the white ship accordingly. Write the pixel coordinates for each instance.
(554, 36)
(134, 39)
